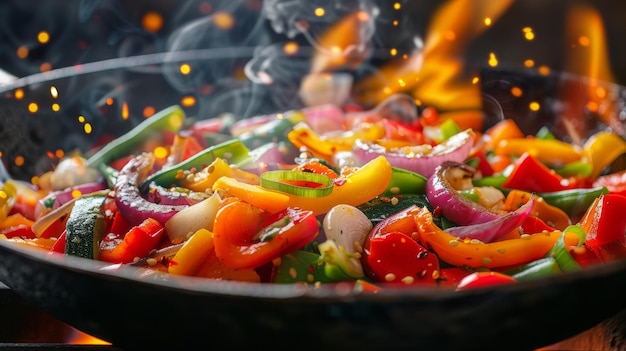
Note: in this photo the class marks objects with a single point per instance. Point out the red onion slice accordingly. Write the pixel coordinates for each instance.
(475, 221)
(495, 229)
(422, 159)
(133, 207)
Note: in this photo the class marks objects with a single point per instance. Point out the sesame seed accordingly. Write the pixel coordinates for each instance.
(436, 274)
(394, 201)
(390, 277)
(293, 273)
(408, 280)
(453, 242)
(151, 261)
(501, 250)
(475, 242)
(486, 260)
(525, 236)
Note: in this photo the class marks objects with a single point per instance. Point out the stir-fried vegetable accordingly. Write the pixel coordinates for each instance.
(371, 199)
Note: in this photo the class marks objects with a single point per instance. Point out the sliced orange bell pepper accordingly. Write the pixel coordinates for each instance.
(247, 237)
(476, 254)
(552, 215)
(268, 200)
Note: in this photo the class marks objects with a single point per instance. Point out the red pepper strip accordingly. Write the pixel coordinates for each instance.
(59, 245)
(605, 223)
(247, 237)
(483, 166)
(533, 224)
(391, 255)
(481, 279)
(396, 258)
(20, 230)
(531, 175)
(137, 242)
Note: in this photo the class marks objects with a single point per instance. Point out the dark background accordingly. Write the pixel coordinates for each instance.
(85, 31)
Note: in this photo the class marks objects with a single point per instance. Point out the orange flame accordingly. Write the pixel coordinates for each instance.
(588, 57)
(339, 46)
(77, 337)
(435, 75)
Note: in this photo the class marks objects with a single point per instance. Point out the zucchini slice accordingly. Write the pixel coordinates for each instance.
(85, 227)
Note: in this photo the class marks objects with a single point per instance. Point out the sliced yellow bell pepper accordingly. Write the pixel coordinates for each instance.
(204, 179)
(477, 254)
(268, 200)
(325, 147)
(189, 258)
(8, 193)
(549, 151)
(362, 185)
(601, 149)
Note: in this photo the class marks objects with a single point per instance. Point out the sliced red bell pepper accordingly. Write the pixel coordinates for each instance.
(533, 224)
(391, 255)
(532, 175)
(396, 258)
(484, 279)
(247, 237)
(605, 224)
(450, 277)
(59, 245)
(137, 242)
(482, 165)
(614, 182)
(20, 230)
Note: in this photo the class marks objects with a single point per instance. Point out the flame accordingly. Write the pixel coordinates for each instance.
(77, 337)
(340, 45)
(588, 57)
(435, 75)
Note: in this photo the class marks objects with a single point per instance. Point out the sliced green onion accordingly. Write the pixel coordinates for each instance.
(561, 253)
(278, 180)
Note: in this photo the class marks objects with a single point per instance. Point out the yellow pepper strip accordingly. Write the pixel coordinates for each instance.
(477, 254)
(189, 258)
(7, 199)
(552, 215)
(38, 243)
(362, 185)
(267, 200)
(326, 146)
(204, 179)
(601, 149)
(548, 151)
(15, 220)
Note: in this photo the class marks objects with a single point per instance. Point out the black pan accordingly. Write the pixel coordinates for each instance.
(119, 305)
